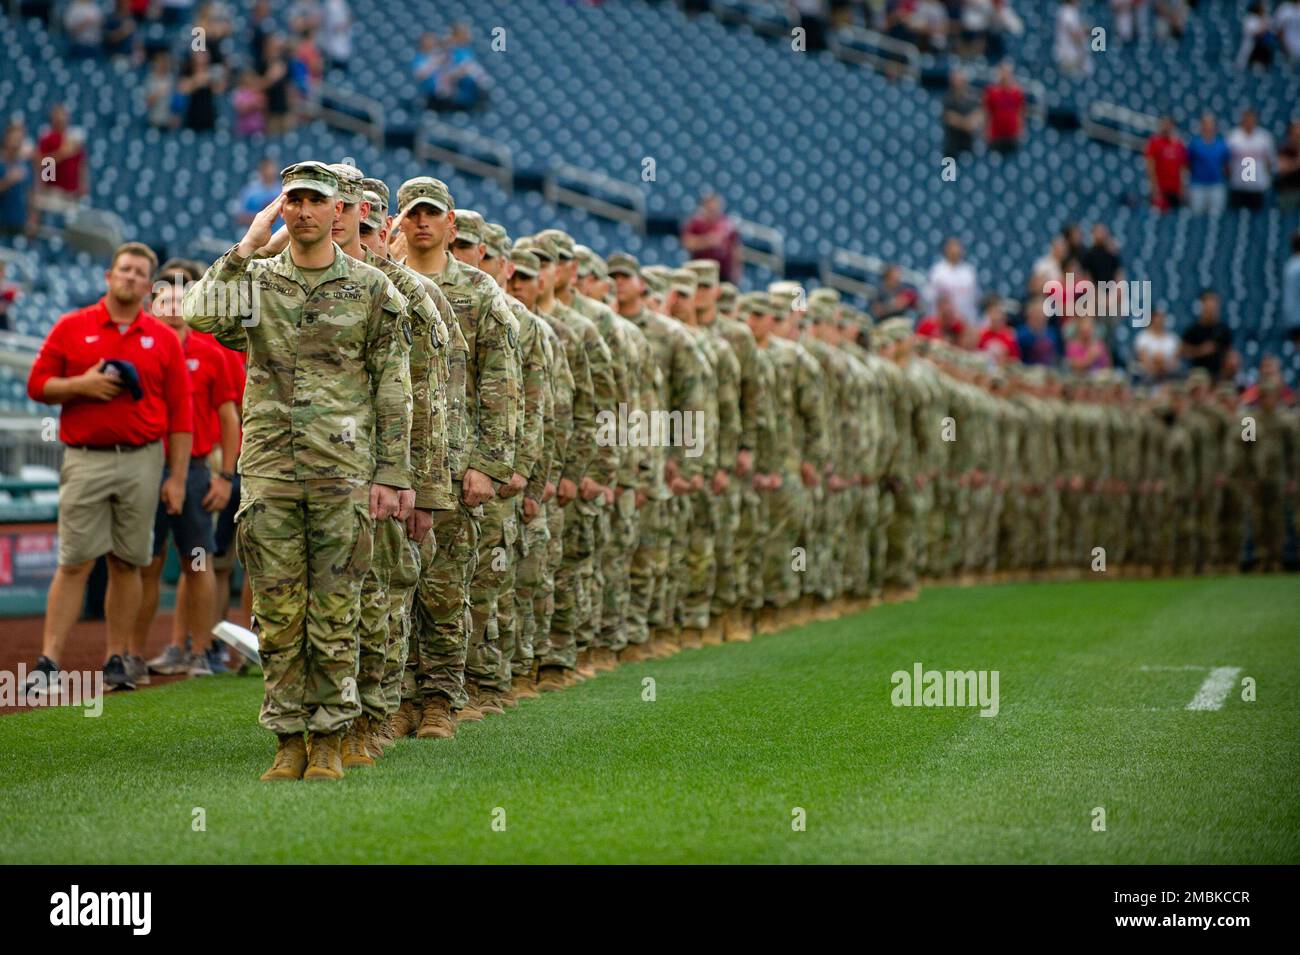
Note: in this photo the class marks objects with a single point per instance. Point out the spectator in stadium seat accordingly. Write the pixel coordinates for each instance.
(160, 96)
(961, 116)
(1070, 43)
(463, 83)
(946, 323)
(427, 66)
(1257, 41)
(113, 458)
(1207, 160)
(1286, 22)
(813, 16)
(1291, 287)
(1102, 259)
(249, 103)
(1049, 267)
(1270, 372)
(199, 84)
(1156, 349)
(276, 83)
(336, 34)
(1004, 105)
(120, 32)
(260, 26)
(259, 193)
(1038, 341)
(996, 336)
(710, 234)
(1166, 159)
(15, 182)
(1085, 351)
(83, 22)
(65, 146)
(1171, 19)
(306, 66)
(1253, 160)
(1207, 341)
(895, 296)
(214, 24)
(955, 278)
(1287, 184)
(215, 427)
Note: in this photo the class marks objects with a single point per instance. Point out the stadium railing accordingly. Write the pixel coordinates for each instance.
(597, 193)
(761, 245)
(869, 48)
(1119, 125)
(466, 150)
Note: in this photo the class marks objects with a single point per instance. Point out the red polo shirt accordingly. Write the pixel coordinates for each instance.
(236, 374)
(76, 344)
(211, 387)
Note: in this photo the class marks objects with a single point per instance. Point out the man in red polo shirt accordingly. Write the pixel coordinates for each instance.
(113, 460)
(216, 424)
(1004, 107)
(60, 165)
(1166, 164)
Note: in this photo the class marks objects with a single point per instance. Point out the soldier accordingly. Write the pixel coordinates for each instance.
(484, 401)
(326, 452)
(1266, 450)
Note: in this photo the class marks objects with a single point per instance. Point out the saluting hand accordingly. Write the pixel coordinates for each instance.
(260, 229)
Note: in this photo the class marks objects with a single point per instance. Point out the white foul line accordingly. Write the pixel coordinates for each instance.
(1215, 689)
(1162, 669)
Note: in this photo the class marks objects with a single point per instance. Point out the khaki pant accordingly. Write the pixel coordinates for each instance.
(107, 501)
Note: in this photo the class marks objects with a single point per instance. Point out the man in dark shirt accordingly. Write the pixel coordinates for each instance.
(1207, 342)
(961, 116)
(1102, 258)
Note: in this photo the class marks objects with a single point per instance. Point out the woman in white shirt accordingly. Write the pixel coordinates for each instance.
(1156, 349)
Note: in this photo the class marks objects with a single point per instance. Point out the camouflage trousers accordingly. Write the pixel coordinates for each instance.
(749, 546)
(385, 626)
(699, 568)
(622, 528)
(937, 538)
(907, 543)
(448, 557)
(1070, 538)
(1207, 532)
(730, 577)
(879, 559)
(1267, 521)
(529, 606)
(864, 504)
(306, 546)
(782, 567)
(957, 522)
(1011, 529)
(1232, 519)
(487, 660)
(572, 621)
(646, 570)
(554, 557)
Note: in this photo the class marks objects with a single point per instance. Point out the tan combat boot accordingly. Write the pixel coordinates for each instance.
(692, 638)
(324, 757)
(402, 723)
(550, 679)
(739, 628)
(470, 712)
(635, 653)
(491, 701)
(712, 635)
(290, 759)
(436, 720)
(353, 750)
(603, 660)
(379, 738)
(584, 668)
(524, 688)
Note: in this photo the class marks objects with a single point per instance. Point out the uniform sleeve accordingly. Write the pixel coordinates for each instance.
(388, 364)
(529, 434)
(580, 447)
(492, 449)
(51, 361)
(729, 424)
(564, 387)
(812, 409)
(605, 392)
(223, 300)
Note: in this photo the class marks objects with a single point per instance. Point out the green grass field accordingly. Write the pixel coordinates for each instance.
(737, 737)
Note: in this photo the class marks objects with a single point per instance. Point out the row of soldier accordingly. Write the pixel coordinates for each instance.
(452, 500)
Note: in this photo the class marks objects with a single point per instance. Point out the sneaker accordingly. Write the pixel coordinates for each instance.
(43, 680)
(198, 665)
(137, 669)
(216, 657)
(115, 675)
(173, 661)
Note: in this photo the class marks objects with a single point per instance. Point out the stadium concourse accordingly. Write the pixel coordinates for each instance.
(841, 437)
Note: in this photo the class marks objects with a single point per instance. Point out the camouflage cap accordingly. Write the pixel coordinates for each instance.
(312, 175)
(1270, 386)
(857, 316)
(469, 227)
(757, 303)
(1226, 389)
(786, 294)
(1198, 376)
(657, 278)
(377, 186)
(623, 263)
(378, 209)
(526, 263)
(425, 190)
(823, 295)
(537, 247)
(896, 329)
(706, 272)
(683, 281)
(350, 182)
(728, 295)
(496, 239)
(560, 241)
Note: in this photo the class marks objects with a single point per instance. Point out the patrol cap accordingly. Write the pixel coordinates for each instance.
(378, 209)
(705, 270)
(469, 227)
(496, 239)
(350, 182)
(785, 293)
(657, 278)
(312, 175)
(683, 281)
(1198, 376)
(560, 241)
(823, 295)
(526, 263)
(758, 303)
(896, 329)
(537, 247)
(1269, 386)
(378, 187)
(728, 295)
(425, 190)
(623, 263)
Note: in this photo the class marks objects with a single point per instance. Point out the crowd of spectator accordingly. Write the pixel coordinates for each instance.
(447, 72)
